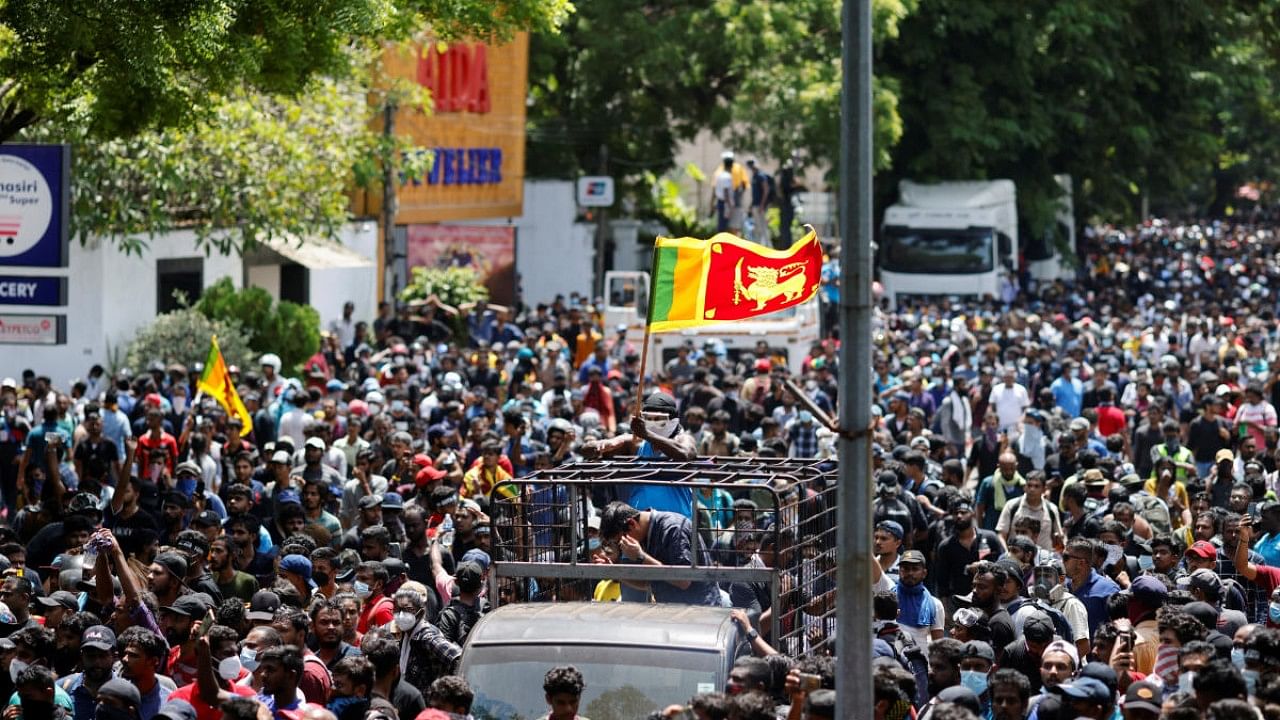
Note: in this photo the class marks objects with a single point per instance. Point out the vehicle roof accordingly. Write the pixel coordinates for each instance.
(962, 194)
(668, 625)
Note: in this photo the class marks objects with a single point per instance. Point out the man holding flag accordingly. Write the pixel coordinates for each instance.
(216, 382)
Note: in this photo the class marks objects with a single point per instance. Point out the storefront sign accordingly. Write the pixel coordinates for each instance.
(475, 131)
(491, 251)
(35, 203)
(17, 290)
(33, 329)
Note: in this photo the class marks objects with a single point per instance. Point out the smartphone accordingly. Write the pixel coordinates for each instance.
(810, 681)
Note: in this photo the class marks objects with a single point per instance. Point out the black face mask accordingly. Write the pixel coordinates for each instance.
(111, 712)
(37, 710)
(321, 578)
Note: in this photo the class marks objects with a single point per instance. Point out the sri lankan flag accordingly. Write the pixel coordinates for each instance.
(216, 383)
(726, 278)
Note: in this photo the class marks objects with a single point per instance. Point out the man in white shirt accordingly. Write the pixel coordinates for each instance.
(1009, 400)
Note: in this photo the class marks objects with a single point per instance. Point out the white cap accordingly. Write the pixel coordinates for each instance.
(9, 383)
(271, 359)
(726, 155)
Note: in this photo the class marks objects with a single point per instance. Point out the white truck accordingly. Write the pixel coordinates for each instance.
(961, 239)
(793, 331)
(954, 238)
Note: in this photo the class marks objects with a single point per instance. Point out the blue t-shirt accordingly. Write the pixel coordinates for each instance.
(1268, 546)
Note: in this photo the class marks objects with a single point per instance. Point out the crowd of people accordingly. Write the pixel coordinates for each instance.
(1075, 510)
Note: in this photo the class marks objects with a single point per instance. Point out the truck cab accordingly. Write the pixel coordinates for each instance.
(792, 331)
(634, 657)
(955, 239)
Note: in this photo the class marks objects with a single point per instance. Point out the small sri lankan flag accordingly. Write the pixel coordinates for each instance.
(216, 382)
(703, 282)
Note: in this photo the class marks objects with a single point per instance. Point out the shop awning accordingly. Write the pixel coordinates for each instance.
(317, 254)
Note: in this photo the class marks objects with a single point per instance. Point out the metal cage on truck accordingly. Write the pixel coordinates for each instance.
(541, 553)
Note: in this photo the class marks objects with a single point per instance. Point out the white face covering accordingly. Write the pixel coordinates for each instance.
(15, 668)
(179, 403)
(405, 620)
(662, 428)
(229, 668)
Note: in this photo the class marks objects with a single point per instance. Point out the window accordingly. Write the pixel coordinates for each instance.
(178, 275)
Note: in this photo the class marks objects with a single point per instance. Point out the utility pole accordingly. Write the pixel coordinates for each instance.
(600, 228)
(853, 511)
(390, 208)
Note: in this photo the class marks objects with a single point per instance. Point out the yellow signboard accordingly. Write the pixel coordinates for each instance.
(475, 129)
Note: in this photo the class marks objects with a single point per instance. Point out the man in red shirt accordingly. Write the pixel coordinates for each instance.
(1111, 419)
(217, 669)
(376, 609)
(157, 439)
(1265, 576)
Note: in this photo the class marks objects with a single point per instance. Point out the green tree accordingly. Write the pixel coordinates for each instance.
(182, 336)
(287, 329)
(121, 67)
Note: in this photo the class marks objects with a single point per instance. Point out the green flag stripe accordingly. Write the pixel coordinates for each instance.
(664, 282)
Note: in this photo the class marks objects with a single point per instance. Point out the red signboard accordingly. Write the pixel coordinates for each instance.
(458, 78)
(490, 250)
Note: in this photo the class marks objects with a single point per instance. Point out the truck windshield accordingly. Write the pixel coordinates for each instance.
(942, 251)
(622, 683)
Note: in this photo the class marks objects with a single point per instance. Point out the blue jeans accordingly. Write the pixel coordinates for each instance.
(1204, 468)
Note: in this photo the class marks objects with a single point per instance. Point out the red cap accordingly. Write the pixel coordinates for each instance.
(763, 365)
(1203, 549)
(154, 400)
(428, 474)
(422, 460)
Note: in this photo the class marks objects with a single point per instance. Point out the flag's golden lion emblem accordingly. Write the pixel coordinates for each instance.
(765, 284)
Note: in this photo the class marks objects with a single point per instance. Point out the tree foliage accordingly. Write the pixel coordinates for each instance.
(287, 329)
(182, 336)
(120, 67)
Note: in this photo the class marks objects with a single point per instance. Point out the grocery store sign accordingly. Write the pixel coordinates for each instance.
(33, 329)
(474, 130)
(34, 205)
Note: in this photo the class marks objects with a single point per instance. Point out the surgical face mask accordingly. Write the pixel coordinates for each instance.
(1237, 656)
(179, 403)
(363, 591)
(1185, 681)
(397, 406)
(1273, 612)
(249, 659)
(974, 680)
(662, 428)
(405, 620)
(229, 668)
(1146, 562)
(15, 668)
(593, 544)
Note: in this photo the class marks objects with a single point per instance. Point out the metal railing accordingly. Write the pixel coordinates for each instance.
(543, 550)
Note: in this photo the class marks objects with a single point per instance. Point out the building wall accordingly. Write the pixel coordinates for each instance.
(111, 295)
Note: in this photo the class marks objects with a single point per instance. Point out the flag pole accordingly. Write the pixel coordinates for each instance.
(648, 315)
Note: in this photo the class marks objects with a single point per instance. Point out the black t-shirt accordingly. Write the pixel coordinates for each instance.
(134, 532)
(1204, 440)
(96, 458)
(953, 557)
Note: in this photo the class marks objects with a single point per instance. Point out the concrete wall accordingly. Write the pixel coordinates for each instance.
(554, 255)
(329, 289)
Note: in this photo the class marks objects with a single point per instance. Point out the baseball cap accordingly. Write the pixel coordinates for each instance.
(196, 546)
(1013, 568)
(468, 573)
(979, 649)
(1079, 424)
(1142, 695)
(967, 616)
(892, 527)
(99, 637)
(174, 563)
(962, 696)
(298, 565)
(1207, 581)
(1101, 672)
(1038, 628)
(122, 689)
(314, 442)
(281, 457)
(368, 502)
(1202, 549)
(187, 467)
(188, 605)
(61, 598)
(1088, 689)
(392, 501)
(1224, 454)
(912, 556)
(263, 606)
(208, 518)
(176, 710)
(477, 556)
(288, 497)
(1149, 589)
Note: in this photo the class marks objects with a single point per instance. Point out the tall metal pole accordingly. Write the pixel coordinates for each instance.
(853, 513)
(390, 207)
(601, 228)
